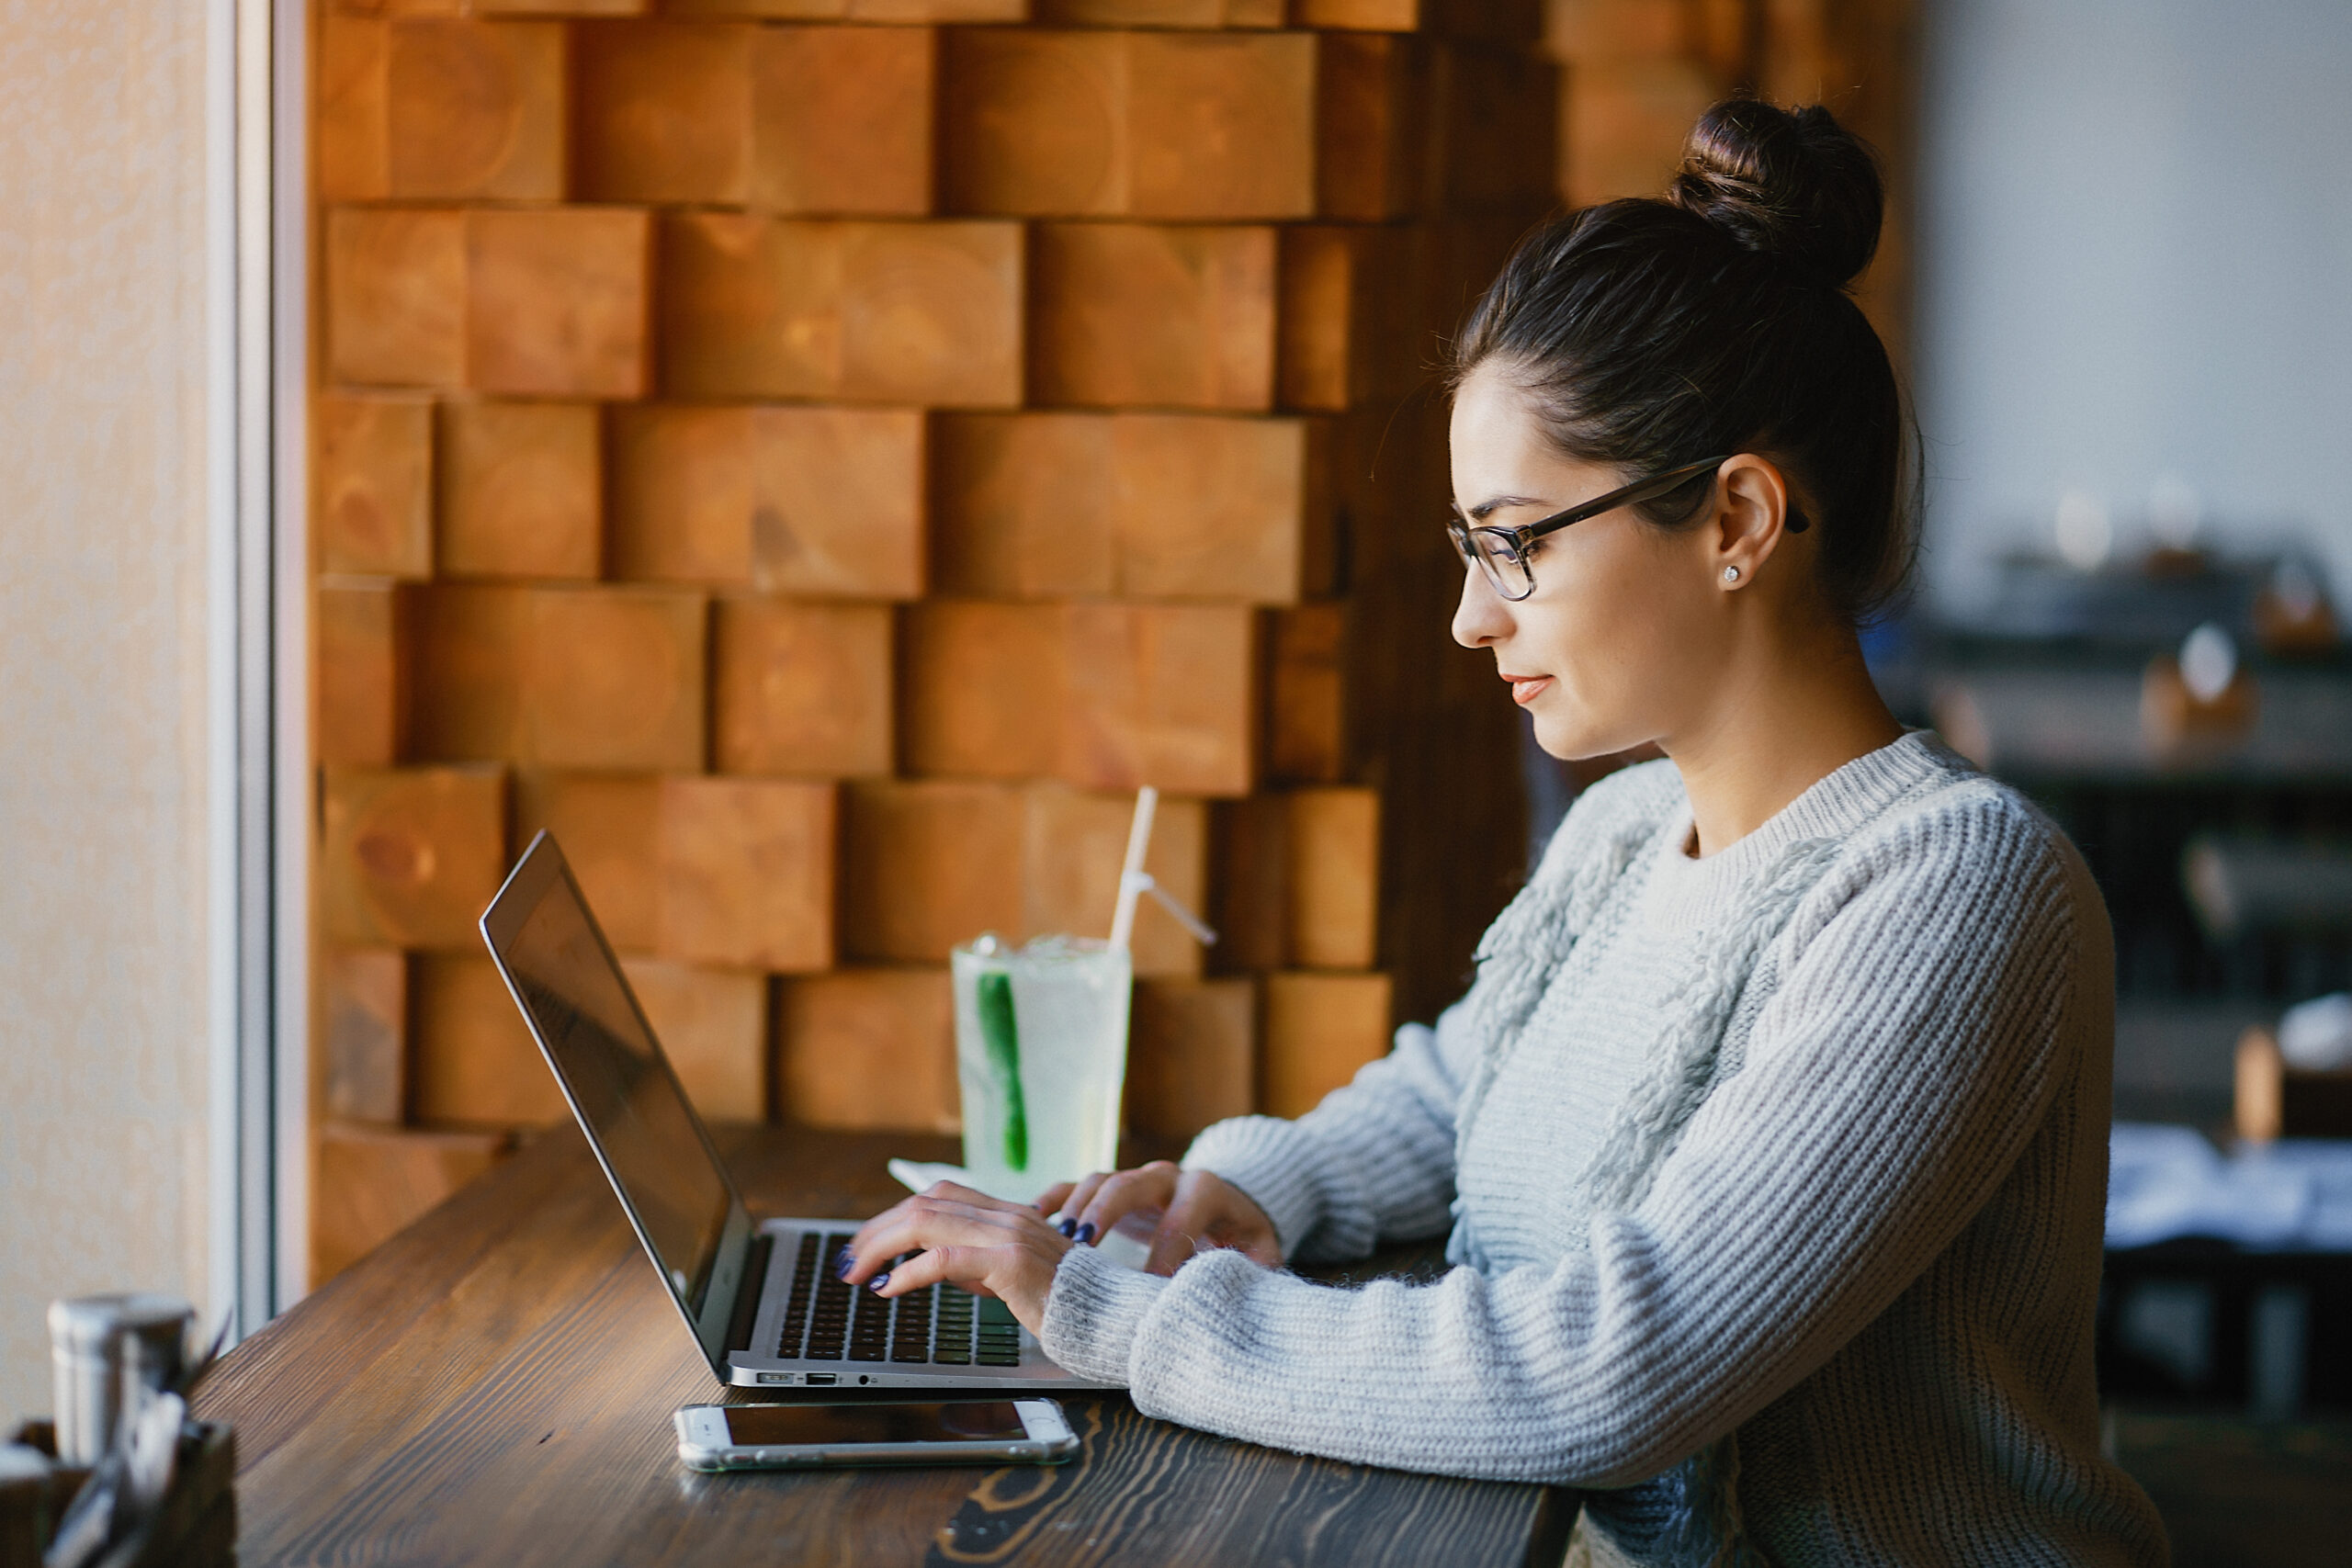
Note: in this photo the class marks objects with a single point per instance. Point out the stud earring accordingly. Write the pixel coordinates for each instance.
(1731, 574)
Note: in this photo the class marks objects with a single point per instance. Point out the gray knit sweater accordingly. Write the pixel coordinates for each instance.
(1775, 1179)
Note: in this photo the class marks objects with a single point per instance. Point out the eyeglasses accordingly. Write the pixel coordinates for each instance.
(1502, 553)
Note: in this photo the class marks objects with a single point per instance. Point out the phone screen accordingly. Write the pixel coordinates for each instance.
(963, 1421)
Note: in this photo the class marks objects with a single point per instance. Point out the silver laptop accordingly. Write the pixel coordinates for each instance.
(759, 1296)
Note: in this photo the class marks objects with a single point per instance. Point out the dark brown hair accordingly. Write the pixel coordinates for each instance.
(1653, 334)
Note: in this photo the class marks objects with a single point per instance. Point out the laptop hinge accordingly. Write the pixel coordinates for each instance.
(747, 1293)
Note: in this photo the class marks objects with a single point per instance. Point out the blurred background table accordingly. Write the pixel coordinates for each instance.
(495, 1386)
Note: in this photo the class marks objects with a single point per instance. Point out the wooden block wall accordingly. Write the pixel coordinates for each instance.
(817, 458)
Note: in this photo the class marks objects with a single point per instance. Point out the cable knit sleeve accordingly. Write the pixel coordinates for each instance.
(1889, 1085)
(1375, 1159)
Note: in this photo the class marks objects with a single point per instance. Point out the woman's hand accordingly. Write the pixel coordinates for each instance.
(1198, 1210)
(983, 1244)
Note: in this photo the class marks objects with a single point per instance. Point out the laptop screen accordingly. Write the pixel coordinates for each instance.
(621, 1085)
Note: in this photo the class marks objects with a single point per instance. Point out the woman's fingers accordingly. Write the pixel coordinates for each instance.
(1121, 1194)
(939, 1214)
(1209, 1212)
(1074, 1202)
(1052, 1197)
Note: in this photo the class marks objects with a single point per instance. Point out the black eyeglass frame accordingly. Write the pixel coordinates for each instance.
(1516, 540)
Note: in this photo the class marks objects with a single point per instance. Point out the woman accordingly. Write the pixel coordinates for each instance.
(1771, 1138)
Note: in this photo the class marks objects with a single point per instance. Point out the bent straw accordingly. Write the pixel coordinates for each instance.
(1131, 876)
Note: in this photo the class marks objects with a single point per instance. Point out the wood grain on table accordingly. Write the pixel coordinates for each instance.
(495, 1386)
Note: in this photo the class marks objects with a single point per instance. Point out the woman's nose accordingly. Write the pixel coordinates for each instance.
(1483, 617)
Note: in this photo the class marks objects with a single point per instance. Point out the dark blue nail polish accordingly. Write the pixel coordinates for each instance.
(843, 1262)
(878, 1281)
(1070, 1228)
(1086, 1233)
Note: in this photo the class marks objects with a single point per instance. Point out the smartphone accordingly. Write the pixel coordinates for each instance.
(798, 1437)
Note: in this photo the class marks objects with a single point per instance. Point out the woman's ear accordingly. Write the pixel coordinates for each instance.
(1751, 518)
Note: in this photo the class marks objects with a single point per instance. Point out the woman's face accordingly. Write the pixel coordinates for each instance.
(1626, 635)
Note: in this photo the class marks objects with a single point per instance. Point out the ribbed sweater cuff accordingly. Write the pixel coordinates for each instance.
(1271, 1160)
(1095, 1313)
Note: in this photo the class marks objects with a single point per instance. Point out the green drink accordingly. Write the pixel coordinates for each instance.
(1041, 1054)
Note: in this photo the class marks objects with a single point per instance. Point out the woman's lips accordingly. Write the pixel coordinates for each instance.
(1525, 689)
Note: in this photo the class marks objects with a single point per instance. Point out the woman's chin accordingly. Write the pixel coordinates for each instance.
(1572, 738)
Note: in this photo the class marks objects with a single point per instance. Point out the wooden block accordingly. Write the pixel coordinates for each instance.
(359, 693)
(841, 119)
(747, 872)
(1520, 20)
(823, 503)
(475, 110)
(373, 485)
(1344, 291)
(1145, 125)
(467, 652)
(372, 1182)
(801, 688)
(838, 502)
(1129, 314)
(983, 686)
(923, 313)
(896, 11)
(1160, 695)
(610, 828)
(564, 7)
(1622, 127)
(1370, 125)
(713, 1025)
(1316, 1032)
(556, 301)
(1035, 506)
(927, 865)
(938, 10)
(1334, 874)
(869, 1049)
(1023, 505)
(1074, 845)
(363, 1033)
(1192, 1055)
(396, 297)
(1305, 702)
(1208, 507)
(1160, 13)
(1360, 16)
(409, 857)
(522, 490)
(350, 144)
(684, 492)
(613, 678)
(665, 112)
(1497, 114)
(1250, 845)
(473, 1060)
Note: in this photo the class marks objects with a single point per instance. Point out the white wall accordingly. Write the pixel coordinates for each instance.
(102, 890)
(2135, 258)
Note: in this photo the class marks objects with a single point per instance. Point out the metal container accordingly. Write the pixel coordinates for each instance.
(103, 1347)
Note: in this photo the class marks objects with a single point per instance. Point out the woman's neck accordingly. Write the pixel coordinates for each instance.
(1775, 733)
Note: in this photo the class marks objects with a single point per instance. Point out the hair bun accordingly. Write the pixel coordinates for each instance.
(1794, 184)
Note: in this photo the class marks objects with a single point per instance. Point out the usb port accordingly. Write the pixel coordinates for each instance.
(820, 1380)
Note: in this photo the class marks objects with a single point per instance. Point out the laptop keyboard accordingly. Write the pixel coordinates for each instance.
(940, 1325)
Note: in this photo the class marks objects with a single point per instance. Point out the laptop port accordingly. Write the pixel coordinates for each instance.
(774, 1377)
(818, 1380)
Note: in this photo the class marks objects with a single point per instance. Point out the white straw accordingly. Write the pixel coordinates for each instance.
(1131, 875)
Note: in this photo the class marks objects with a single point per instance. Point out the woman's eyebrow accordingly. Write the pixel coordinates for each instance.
(1487, 509)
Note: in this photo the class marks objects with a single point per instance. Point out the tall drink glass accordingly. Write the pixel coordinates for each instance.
(1041, 1054)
